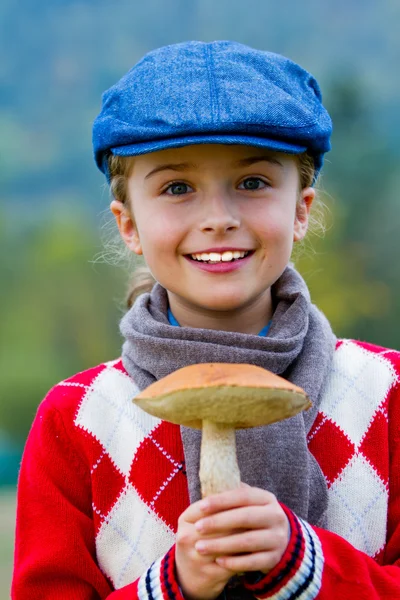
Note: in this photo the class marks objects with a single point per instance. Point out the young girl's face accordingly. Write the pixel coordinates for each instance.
(194, 205)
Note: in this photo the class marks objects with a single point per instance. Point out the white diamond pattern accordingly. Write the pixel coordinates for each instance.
(127, 547)
(358, 517)
(359, 383)
(108, 413)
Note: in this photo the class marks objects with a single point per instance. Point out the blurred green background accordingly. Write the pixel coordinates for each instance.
(60, 306)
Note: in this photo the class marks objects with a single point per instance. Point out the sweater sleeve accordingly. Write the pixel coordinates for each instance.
(320, 564)
(55, 553)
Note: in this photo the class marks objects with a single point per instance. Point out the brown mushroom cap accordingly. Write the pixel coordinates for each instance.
(233, 394)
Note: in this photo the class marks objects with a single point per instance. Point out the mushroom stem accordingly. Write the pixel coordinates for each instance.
(219, 470)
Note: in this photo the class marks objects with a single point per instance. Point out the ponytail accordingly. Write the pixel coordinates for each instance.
(141, 282)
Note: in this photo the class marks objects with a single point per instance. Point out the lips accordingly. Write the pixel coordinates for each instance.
(220, 262)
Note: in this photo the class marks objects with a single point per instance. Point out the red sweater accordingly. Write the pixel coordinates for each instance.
(102, 485)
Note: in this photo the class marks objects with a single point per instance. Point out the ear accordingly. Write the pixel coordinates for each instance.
(303, 207)
(126, 226)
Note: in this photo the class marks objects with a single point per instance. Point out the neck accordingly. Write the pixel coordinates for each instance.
(250, 318)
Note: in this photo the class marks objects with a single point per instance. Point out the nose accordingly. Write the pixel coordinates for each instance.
(220, 215)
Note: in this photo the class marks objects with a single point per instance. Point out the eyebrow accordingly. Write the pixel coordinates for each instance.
(245, 162)
(172, 167)
(186, 166)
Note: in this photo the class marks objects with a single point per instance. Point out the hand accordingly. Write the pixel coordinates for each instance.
(199, 576)
(243, 530)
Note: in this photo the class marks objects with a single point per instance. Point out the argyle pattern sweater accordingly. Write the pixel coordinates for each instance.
(102, 485)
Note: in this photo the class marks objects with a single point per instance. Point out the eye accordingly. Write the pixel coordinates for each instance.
(178, 188)
(252, 183)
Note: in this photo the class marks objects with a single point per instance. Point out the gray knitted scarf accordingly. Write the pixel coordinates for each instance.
(299, 346)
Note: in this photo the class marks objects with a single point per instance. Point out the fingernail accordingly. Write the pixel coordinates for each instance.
(203, 504)
(199, 525)
(200, 546)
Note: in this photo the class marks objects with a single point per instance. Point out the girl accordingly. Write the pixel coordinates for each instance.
(212, 151)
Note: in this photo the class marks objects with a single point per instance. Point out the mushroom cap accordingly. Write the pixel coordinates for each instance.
(239, 395)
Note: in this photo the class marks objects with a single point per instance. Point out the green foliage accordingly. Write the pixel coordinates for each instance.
(337, 274)
(364, 186)
(59, 312)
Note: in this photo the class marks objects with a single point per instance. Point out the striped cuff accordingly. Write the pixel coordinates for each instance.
(159, 581)
(298, 574)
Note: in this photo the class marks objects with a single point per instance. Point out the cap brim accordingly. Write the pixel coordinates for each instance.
(177, 142)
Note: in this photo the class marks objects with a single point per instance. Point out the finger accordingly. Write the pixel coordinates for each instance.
(240, 543)
(245, 517)
(259, 561)
(195, 511)
(241, 496)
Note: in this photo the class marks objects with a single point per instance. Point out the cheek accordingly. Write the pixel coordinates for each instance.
(159, 235)
(274, 227)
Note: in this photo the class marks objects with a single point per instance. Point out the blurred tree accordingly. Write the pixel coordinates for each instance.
(59, 312)
(350, 275)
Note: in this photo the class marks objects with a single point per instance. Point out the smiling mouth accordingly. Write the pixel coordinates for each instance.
(213, 258)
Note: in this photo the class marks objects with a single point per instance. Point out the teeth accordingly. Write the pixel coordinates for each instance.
(215, 257)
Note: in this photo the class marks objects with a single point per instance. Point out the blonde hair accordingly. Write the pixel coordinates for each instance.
(120, 167)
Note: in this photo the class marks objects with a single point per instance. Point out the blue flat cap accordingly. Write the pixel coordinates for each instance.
(212, 93)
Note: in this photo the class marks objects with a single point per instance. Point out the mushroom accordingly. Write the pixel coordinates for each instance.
(219, 398)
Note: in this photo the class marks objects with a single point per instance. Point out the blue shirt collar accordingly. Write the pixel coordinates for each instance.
(173, 321)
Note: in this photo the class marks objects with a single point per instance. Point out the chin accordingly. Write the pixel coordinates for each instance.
(220, 303)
